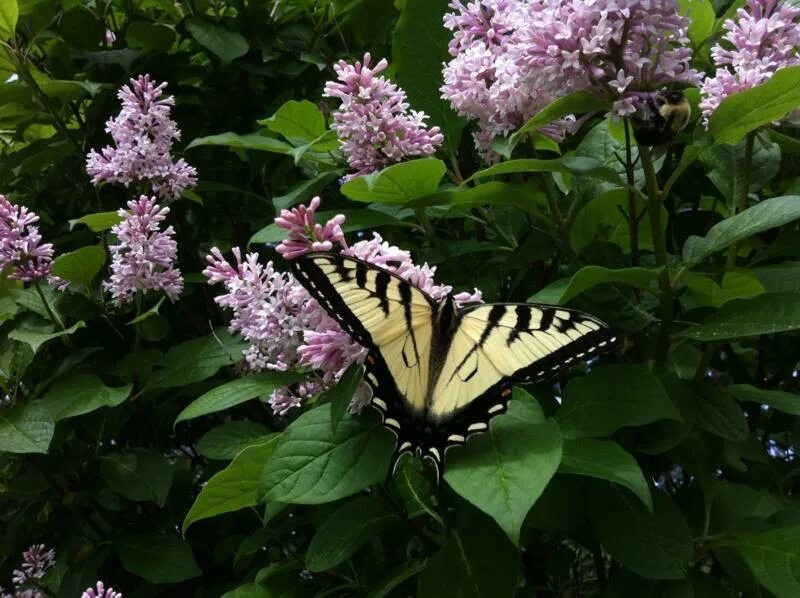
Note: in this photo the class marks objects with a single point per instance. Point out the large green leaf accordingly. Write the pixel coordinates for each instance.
(504, 470)
(312, 464)
(26, 428)
(236, 392)
(613, 396)
(763, 216)
(606, 460)
(35, 339)
(578, 102)
(97, 222)
(625, 584)
(477, 561)
(139, 475)
(419, 47)
(216, 37)
(742, 112)
(341, 395)
(233, 488)
(701, 19)
(561, 291)
(158, 558)
(415, 490)
(82, 393)
(80, 266)
(346, 530)
(773, 556)
(735, 284)
(229, 439)
(655, 545)
(9, 13)
(782, 401)
(766, 314)
(197, 359)
(493, 193)
(149, 36)
(251, 141)
(297, 121)
(397, 184)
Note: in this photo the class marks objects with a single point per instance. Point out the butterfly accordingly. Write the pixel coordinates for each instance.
(439, 372)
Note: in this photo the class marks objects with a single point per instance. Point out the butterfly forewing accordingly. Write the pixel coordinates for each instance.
(384, 313)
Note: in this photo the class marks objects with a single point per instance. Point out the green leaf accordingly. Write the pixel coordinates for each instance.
(606, 460)
(414, 489)
(655, 545)
(305, 190)
(517, 166)
(149, 36)
(625, 584)
(197, 359)
(397, 184)
(251, 141)
(419, 48)
(719, 414)
(227, 45)
(236, 392)
(233, 488)
(346, 530)
(769, 313)
(249, 590)
(493, 193)
(603, 219)
(773, 556)
(561, 291)
(313, 465)
(341, 395)
(355, 220)
(158, 558)
(143, 475)
(735, 284)
(9, 13)
(82, 393)
(227, 440)
(743, 112)
(26, 428)
(80, 266)
(782, 401)
(35, 339)
(97, 222)
(701, 19)
(297, 121)
(763, 216)
(613, 396)
(153, 311)
(477, 561)
(398, 575)
(579, 102)
(504, 471)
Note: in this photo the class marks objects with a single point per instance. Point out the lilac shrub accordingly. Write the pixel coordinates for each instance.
(763, 39)
(36, 561)
(144, 258)
(21, 249)
(373, 122)
(143, 134)
(513, 57)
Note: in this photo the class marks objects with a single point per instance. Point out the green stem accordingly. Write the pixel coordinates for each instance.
(654, 201)
(52, 314)
(555, 212)
(422, 216)
(633, 220)
(742, 190)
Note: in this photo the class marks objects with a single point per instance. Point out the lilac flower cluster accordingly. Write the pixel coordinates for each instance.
(143, 134)
(35, 563)
(100, 591)
(373, 122)
(513, 57)
(286, 328)
(763, 39)
(21, 247)
(144, 259)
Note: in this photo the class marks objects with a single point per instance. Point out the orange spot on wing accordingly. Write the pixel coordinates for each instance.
(505, 392)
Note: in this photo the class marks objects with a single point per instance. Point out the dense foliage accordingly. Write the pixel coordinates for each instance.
(147, 445)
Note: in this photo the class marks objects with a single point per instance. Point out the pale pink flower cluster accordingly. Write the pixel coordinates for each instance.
(763, 39)
(143, 134)
(35, 563)
(21, 247)
(100, 591)
(373, 122)
(286, 328)
(144, 258)
(513, 57)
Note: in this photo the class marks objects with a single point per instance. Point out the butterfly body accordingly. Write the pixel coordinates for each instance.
(439, 372)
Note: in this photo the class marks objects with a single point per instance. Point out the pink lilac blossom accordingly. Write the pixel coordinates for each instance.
(763, 39)
(144, 259)
(513, 57)
(143, 134)
(35, 563)
(373, 122)
(21, 247)
(305, 235)
(100, 591)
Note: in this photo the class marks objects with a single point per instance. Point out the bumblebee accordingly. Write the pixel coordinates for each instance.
(669, 113)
